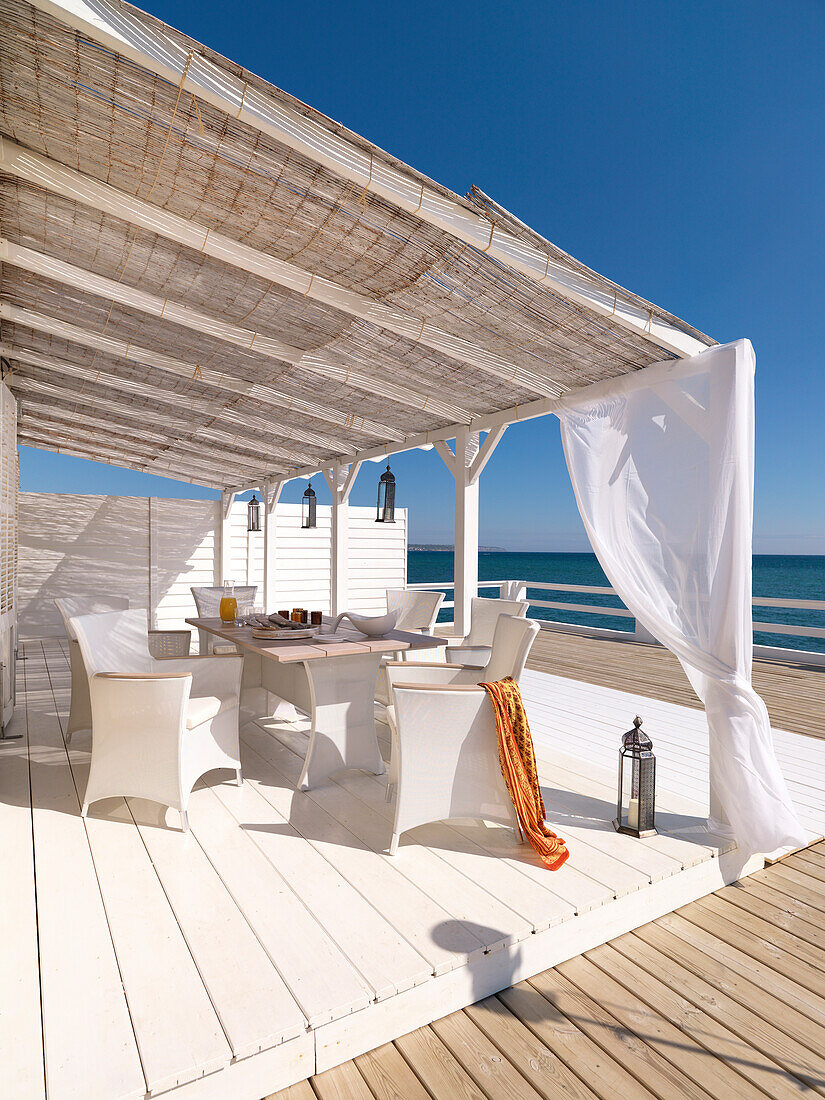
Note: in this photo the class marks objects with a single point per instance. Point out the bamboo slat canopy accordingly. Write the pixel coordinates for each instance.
(204, 278)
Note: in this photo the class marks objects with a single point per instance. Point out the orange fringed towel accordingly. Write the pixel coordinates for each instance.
(518, 766)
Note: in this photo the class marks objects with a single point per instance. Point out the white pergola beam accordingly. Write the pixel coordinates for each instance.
(98, 447)
(505, 417)
(55, 177)
(277, 400)
(93, 401)
(394, 444)
(206, 438)
(43, 437)
(87, 430)
(35, 395)
(349, 481)
(485, 452)
(314, 362)
(136, 421)
(447, 456)
(124, 32)
(157, 448)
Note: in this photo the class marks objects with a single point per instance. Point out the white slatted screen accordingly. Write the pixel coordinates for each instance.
(8, 546)
(153, 550)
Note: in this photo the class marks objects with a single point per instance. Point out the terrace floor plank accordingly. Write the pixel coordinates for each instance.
(713, 1000)
(794, 693)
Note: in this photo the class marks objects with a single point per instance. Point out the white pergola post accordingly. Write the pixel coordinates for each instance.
(466, 465)
(227, 497)
(340, 479)
(271, 492)
(465, 557)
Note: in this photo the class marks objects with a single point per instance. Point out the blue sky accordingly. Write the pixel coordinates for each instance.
(678, 148)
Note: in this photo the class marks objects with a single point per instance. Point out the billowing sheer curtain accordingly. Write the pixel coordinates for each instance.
(661, 462)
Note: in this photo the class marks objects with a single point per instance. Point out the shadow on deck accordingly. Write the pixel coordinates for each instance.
(724, 997)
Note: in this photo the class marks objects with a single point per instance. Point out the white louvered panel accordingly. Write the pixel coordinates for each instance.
(8, 506)
(8, 546)
(73, 544)
(185, 540)
(377, 559)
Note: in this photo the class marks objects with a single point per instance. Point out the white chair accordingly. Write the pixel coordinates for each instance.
(474, 649)
(157, 725)
(511, 647)
(448, 749)
(161, 643)
(208, 604)
(418, 610)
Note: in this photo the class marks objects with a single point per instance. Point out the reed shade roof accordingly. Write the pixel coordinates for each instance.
(110, 380)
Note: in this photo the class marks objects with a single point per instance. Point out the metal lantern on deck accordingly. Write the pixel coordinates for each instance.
(636, 804)
(308, 507)
(253, 510)
(386, 498)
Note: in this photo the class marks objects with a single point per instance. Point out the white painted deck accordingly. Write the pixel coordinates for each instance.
(276, 940)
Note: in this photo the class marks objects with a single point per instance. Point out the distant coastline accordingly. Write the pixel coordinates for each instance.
(437, 548)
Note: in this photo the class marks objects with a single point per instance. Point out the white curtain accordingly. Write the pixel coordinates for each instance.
(661, 462)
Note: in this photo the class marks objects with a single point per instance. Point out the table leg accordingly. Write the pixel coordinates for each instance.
(342, 692)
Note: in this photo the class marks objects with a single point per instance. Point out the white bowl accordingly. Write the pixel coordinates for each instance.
(374, 626)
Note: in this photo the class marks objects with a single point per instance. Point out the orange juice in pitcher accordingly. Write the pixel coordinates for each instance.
(229, 604)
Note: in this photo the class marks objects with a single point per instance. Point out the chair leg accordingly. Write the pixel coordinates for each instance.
(390, 795)
(84, 809)
(393, 848)
(238, 777)
(184, 821)
(517, 829)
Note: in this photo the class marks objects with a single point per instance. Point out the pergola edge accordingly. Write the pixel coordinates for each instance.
(123, 32)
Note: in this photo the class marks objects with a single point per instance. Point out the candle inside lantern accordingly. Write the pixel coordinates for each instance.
(633, 813)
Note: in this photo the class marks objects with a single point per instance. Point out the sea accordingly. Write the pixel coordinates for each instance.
(788, 576)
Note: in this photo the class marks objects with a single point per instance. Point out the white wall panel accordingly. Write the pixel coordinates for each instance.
(184, 542)
(155, 549)
(9, 477)
(71, 544)
(377, 559)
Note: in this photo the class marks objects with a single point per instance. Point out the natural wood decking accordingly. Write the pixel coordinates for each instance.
(794, 693)
(723, 998)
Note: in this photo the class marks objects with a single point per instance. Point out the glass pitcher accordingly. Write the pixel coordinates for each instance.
(229, 603)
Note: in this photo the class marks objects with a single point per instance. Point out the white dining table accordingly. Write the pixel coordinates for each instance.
(332, 678)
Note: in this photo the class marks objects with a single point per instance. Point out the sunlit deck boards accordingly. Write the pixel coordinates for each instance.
(578, 725)
(277, 939)
(723, 998)
(793, 692)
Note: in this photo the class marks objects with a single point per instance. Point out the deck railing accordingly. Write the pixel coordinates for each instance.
(517, 589)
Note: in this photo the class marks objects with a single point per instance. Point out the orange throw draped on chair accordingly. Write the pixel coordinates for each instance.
(518, 766)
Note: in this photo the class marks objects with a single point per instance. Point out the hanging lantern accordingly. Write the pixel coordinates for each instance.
(636, 804)
(386, 498)
(253, 514)
(308, 507)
